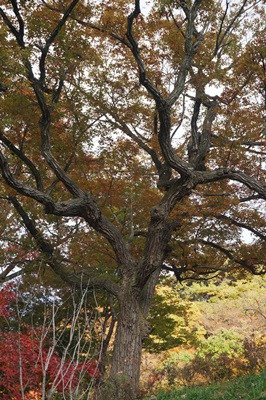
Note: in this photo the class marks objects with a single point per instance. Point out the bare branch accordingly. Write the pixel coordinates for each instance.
(53, 259)
(18, 34)
(243, 263)
(221, 36)
(66, 168)
(241, 225)
(217, 45)
(191, 48)
(181, 117)
(21, 155)
(113, 35)
(6, 275)
(52, 37)
(136, 53)
(21, 187)
(120, 124)
(44, 123)
(19, 18)
(226, 173)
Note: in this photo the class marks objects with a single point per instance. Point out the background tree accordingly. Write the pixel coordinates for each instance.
(131, 145)
(209, 331)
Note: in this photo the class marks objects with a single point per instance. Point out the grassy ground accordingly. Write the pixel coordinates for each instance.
(251, 387)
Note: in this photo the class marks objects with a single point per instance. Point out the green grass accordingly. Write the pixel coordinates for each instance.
(252, 387)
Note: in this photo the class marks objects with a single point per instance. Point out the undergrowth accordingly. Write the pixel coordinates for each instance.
(251, 387)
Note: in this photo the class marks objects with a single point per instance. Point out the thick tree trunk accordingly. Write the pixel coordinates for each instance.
(123, 380)
(125, 370)
(134, 306)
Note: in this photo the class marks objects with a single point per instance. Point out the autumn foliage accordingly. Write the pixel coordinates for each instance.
(131, 144)
(28, 365)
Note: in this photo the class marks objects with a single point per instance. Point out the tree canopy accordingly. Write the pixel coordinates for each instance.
(131, 142)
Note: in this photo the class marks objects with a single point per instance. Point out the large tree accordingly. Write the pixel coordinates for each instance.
(131, 143)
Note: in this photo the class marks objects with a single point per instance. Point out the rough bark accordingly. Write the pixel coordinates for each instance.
(125, 371)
